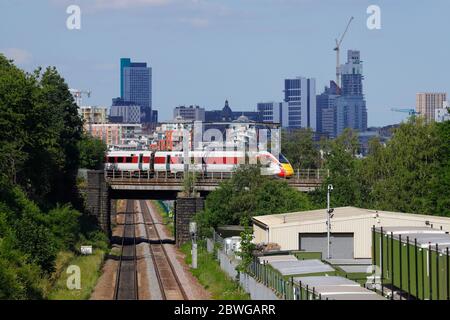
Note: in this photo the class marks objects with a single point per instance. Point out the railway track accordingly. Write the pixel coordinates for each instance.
(168, 281)
(127, 281)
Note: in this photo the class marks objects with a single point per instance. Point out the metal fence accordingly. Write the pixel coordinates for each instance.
(262, 273)
(286, 289)
(312, 176)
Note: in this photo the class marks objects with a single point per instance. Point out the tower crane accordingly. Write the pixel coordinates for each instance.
(77, 94)
(409, 111)
(338, 49)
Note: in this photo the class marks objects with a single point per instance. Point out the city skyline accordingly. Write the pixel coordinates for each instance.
(205, 61)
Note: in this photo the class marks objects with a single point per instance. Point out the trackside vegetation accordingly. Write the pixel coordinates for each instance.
(212, 277)
(41, 213)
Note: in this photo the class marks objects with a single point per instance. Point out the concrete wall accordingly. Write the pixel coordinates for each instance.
(98, 201)
(185, 209)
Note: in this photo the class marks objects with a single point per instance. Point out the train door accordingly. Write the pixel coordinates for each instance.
(152, 162)
(140, 161)
(168, 159)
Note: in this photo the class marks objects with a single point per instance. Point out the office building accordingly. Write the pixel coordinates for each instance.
(351, 110)
(326, 110)
(427, 103)
(300, 96)
(351, 113)
(192, 113)
(352, 75)
(443, 114)
(91, 114)
(125, 114)
(136, 86)
(115, 133)
(271, 112)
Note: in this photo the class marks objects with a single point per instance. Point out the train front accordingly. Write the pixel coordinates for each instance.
(286, 170)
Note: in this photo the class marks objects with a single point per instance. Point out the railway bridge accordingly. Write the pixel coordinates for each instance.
(104, 187)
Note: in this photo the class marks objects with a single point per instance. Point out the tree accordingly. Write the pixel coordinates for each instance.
(407, 178)
(298, 146)
(92, 152)
(248, 194)
(341, 161)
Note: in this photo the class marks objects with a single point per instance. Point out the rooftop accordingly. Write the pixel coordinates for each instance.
(288, 268)
(425, 237)
(341, 213)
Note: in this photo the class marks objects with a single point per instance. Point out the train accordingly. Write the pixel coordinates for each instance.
(201, 161)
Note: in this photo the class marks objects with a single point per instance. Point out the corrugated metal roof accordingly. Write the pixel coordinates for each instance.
(424, 236)
(288, 268)
(352, 296)
(312, 216)
(349, 261)
(338, 288)
(356, 269)
(275, 258)
(319, 281)
(408, 230)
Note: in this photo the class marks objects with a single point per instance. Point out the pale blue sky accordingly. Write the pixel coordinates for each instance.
(203, 52)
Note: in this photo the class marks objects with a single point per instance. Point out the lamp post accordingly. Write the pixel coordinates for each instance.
(329, 212)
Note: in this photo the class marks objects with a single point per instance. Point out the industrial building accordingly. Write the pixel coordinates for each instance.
(351, 229)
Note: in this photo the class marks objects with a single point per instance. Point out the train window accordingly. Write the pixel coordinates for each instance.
(282, 159)
(128, 159)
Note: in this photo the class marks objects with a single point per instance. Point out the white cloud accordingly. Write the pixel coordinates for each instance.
(196, 22)
(122, 4)
(20, 56)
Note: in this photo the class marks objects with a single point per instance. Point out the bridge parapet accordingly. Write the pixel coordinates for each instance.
(302, 180)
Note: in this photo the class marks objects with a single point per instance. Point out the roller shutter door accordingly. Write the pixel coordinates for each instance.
(342, 244)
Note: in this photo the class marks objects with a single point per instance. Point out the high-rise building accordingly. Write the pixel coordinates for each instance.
(136, 86)
(351, 113)
(351, 110)
(192, 113)
(443, 114)
(352, 75)
(93, 115)
(326, 105)
(427, 103)
(300, 96)
(272, 112)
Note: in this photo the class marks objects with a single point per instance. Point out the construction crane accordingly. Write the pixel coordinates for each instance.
(409, 111)
(338, 49)
(77, 94)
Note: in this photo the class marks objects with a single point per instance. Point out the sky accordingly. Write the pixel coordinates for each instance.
(203, 52)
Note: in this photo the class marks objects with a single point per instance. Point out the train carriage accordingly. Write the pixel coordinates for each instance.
(200, 161)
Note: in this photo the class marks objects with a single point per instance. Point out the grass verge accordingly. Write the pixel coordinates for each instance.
(212, 277)
(167, 217)
(90, 267)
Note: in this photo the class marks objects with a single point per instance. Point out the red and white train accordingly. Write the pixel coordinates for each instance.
(201, 161)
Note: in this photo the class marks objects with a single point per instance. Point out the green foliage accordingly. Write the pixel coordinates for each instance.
(341, 161)
(189, 184)
(411, 173)
(40, 142)
(246, 250)
(92, 152)
(248, 194)
(212, 277)
(298, 146)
